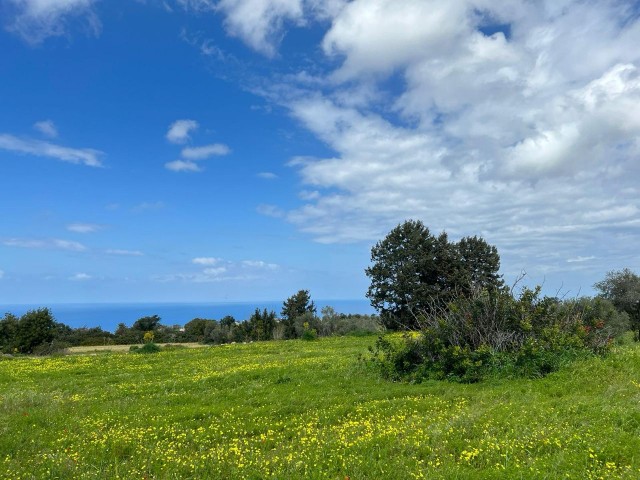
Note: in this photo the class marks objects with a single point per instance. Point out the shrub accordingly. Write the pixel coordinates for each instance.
(146, 348)
(497, 333)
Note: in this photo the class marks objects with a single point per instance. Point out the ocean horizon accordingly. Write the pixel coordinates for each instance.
(109, 315)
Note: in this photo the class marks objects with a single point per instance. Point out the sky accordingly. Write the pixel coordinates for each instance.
(238, 150)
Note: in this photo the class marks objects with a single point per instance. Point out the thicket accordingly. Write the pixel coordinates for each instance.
(464, 324)
(497, 333)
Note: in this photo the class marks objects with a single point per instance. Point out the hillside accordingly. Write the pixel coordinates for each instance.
(294, 409)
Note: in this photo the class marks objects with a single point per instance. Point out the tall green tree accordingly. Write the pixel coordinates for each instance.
(293, 307)
(262, 323)
(8, 329)
(35, 328)
(622, 288)
(414, 272)
(146, 324)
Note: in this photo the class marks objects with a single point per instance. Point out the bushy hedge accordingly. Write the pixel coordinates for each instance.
(499, 333)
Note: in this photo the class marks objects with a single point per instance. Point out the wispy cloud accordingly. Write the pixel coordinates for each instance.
(268, 175)
(47, 128)
(37, 20)
(39, 148)
(80, 277)
(1, 274)
(270, 211)
(146, 206)
(206, 151)
(180, 131)
(220, 270)
(580, 259)
(129, 253)
(54, 243)
(206, 261)
(84, 227)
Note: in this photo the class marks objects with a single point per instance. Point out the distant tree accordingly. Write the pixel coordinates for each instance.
(8, 330)
(146, 324)
(293, 307)
(414, 272)
(35, 328)
(195, 329)
(261, 324)
(622, 288)
(228, 321)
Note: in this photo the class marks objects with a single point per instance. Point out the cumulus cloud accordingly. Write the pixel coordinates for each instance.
(180, 131)
(205, 151)
(182, 166)
(516, 121)
(46, 128)
(27, 146)
(53, 243)
(37, 20)
(84, 227)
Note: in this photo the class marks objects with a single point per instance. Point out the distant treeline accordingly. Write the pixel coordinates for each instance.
(37, 332)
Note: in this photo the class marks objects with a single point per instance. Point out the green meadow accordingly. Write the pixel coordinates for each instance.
(296, 409)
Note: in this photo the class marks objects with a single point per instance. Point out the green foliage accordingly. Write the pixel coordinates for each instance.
(146, 348)
(493, 333)
(146, 324)
(293, 307)
(34, 328)
(333, 323)
(195, 329)
(622, 288)
(262, 324)
(414, 271)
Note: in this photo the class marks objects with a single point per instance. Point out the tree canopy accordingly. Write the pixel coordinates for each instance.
(622, 288)
(414, 271)
(293, 307)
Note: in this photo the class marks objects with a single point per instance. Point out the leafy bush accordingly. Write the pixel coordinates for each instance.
(146, 348)
(497, 333)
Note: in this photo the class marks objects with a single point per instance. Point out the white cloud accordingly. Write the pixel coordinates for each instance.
(80, 277)
(206, 151)
(206, 261)
(48, 244)
(47, 128)
(85, 156)
(180, 131)
(128, 253)
(36, 20)
(1, 274)
(84, 227)
(220, 270)
(259, 22)
(182, 166)
(259, 264)
(580, 259)
(528, 136)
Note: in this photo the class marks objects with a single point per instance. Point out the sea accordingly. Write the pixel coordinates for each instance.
(109, 315)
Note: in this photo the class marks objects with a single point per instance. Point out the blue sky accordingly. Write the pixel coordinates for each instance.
(220, 150)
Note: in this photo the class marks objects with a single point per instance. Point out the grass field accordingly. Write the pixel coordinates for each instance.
(122, 348)
(294, 410)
